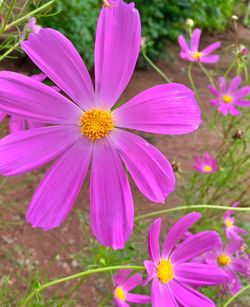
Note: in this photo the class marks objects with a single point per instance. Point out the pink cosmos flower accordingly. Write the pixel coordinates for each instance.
(17, 123)
(123, 286)
(193, 54)
(230, 263)
(173, 272)
(87, 128)
(233, 232)
(228, 98)
(206, 165)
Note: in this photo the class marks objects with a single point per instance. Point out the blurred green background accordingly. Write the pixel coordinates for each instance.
(162, 20)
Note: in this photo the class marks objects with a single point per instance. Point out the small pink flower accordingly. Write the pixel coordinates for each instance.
(228, 260)
(173, 272)
(233, 232)
(206, 165)
(228, 98)
(193, 54)
(122, 287)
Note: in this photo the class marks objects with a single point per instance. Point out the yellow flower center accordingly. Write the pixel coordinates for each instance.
(227, 99)
(224, 260)
(165, 271)
(96, 123)
(207, 168)
(120, 293)
(229, 223)
(197, 55)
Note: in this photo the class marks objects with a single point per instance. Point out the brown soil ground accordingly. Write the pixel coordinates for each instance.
(23, 248)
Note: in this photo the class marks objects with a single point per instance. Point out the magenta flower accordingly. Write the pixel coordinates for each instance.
(233, 232)
(193, 54)
(33, 26)
(17, 123)
(88, 128)
(123, 286)
(173, 272)
(230, 263)
(206, 165)
(228, 98)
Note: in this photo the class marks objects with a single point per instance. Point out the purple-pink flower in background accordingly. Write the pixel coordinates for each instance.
(17, 123)
(86, 127)
(33, 26)
(206, 164)
(227, 260)
(227, 98)
(192, 52)
(233, 232)
(172, 272)
(122, 287)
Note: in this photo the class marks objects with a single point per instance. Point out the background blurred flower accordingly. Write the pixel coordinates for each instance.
(173, 271)
(193, 54)
(124, 284)
(228, 98)
(206, 164)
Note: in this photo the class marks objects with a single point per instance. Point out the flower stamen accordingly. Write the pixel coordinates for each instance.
(120, 294)
(227, 99)
(165, 271)
(96, 123)
(223, 260)
(207, 168)
(197, 55)
(229, 223)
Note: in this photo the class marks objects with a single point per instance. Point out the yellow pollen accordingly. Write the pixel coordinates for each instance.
(207, 168)
(227, 99)
(96, 123)
(197, 55)
(223, 260)
(120, 293)
(165, 271)
(229, 223)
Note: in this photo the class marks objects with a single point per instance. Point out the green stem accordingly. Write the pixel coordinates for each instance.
(78, 275)
(189, 207)
(7, 17)
(160, 72)
(4, 55)
(30, 14)
(236, 295)
(206, 73)
(230, 68)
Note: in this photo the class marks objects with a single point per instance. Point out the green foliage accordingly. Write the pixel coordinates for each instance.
(162, 20)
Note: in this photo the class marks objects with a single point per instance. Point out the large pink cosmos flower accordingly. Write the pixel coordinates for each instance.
(193, 54)
(17, 123)
(173, 271)
(228, 98)
(233, 232)
(88, 129)
(123, 286)
(230, 263)
(206, 164)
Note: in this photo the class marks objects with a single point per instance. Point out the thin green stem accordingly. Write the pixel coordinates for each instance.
(206, 73)
(4, 55)
(236, 295)
(230, 68)
(30, 14)
(189, 207)
(150, 62)
(7, 17)
(78, 275)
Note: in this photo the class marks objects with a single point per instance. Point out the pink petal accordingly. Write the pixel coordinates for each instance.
(111, 203)
(55, 55)
(243, 103)
(186, 296)
(26, 150)
(234, 84)
(177, 232)
(234, 284)
(213, 90)
(117, 47)
(151, 171)
(195, 246)
(16, 124)
(32, 124)
(166, 109)
(199, 274)
(210, 59)
(151, 270)
(138, 298)
(28, 98)
(121, 276)
(159, 295)
(39, 77)
(153, 241)
(211, 48)
(183, 44)
(195, 40)
(56, 194)
(222, 84)
(243, 92)
(2, 116)
(233, 246)
(132, 282)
